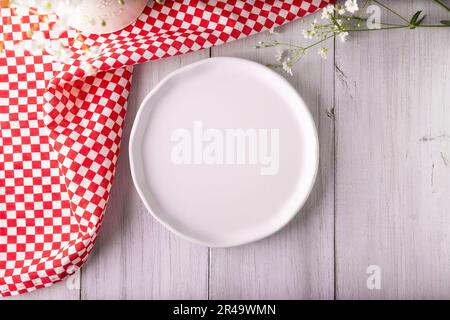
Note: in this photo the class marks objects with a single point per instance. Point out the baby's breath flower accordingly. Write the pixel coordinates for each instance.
(287, 66)
(323, 52)
(42, 6)
(307, 34)
(38, 42)
(279, 55)
(313, 31)
(35, 45)
(351, 6)
(264, 44)
(338, 25)
(59, 51)
(340, 9)
(343, 36)
(91, 52)
(327, 12)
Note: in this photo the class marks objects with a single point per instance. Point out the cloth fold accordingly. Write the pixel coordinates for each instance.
(61, 123)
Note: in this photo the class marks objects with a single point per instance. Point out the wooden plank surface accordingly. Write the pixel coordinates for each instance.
(59, 291)
(298, 261)
(382, 195)
(135, 257)
(392, 169)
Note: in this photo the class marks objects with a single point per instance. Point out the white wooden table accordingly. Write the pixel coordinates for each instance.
(381, 103)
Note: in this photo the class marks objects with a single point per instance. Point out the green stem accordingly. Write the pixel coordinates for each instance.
(443, 5)
(391, 10)
(318, 42)
(399, 27)
(386, 28)
(298, 55)
(333, 19)
(303, 49)
(383, 24)
(432, 26)
(393, 24)
(289, 45)
(364, 19)
(365, 4)
(354, 18)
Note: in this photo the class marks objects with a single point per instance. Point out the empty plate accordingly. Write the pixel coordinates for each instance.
(224, 152)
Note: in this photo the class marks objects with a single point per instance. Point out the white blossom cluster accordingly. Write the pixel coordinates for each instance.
(334, 22)
(55, 47)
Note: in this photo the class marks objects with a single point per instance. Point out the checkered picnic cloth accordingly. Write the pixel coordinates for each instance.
(61, 125)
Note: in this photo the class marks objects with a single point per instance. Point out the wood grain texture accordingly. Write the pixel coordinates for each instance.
(383, 199)
(135, 257)
(58, 291)
(298, 261)
(392, 169)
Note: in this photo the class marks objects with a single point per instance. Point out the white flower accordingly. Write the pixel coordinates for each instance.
(43, 6)
(327, 12)
(48, 6)
(279, 56)
(59, 51)
(38, 43)
(65, 9)
(323, 52)
(343, 36)
(340, 9)
(313, 31)
(35, 45)
(287, 66)
(307, 34)
(351, 6)
(62, 23)
(91, 52)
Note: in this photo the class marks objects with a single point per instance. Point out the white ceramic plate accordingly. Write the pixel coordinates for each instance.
(224, 152)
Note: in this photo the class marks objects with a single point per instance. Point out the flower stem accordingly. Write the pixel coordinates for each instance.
(384, 28)
(391, 10)
(289, 45)
(300, 48)
(365, 4)
(341, 25)
(433, 26)
(318, 42)
(393, 24)
(443, 5)
(383, 24)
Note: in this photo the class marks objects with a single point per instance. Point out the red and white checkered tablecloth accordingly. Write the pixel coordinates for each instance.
(61, 127)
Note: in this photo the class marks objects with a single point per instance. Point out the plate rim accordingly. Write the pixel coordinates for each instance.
(133, 141)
